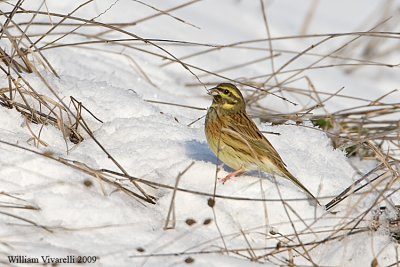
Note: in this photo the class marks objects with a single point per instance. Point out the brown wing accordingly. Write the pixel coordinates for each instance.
(241, 123)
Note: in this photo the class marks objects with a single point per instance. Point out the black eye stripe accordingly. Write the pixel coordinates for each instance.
(226, 91)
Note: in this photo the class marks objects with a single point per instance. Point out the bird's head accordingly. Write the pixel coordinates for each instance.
(227, 98)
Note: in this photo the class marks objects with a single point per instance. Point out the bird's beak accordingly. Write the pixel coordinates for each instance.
(213, 91)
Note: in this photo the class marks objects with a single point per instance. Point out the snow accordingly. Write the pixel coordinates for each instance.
(153, 142)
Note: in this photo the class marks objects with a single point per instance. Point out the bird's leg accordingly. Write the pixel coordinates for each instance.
(232, 174)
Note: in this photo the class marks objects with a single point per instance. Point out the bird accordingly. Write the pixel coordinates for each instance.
(237, 142)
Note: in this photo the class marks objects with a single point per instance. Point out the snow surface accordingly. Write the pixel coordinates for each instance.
(153, 142)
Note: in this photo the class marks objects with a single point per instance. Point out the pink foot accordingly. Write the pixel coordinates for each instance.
(232, 174)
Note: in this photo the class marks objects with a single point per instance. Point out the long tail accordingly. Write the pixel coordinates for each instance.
(299, 184)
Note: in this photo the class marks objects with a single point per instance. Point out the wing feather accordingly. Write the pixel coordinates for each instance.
(242, 124)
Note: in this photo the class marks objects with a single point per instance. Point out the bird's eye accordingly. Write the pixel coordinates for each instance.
(226, 92)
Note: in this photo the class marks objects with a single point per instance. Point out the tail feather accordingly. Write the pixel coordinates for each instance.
(299, 184)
